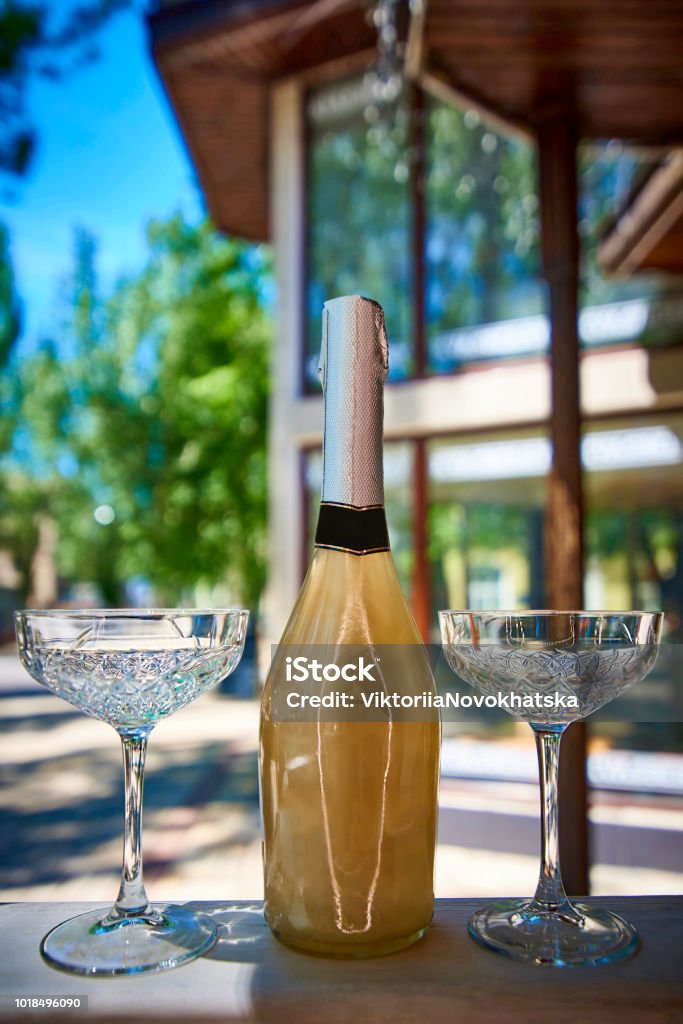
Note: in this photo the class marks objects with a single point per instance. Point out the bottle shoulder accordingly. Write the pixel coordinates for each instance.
(348, 598)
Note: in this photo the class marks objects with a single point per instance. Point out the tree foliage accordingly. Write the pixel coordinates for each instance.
(480, 243)
(18, 531)
(35, 40)
(10, 322)
(151, 411)
(150, 404)
(482, 252)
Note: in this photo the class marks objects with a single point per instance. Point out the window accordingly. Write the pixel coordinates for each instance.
(485, 589)
(484, 299)
(634, 559)
(634, 515)
(486, 502)
(358, 219)
(634, 546)
(643, 308)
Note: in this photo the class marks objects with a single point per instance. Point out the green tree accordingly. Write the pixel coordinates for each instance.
(154, 415)
(483, 222)
(35, 41)
(650, 541)
(10, 322)
(18, 502)
(53, 453)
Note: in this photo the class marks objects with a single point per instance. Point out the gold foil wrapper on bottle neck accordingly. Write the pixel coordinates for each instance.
(353, 368)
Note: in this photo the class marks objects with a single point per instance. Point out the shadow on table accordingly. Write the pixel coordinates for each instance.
(287, 985)
(446, 976)
(49, 834)
(242, 931)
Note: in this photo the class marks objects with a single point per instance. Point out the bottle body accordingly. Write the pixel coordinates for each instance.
(349, 808)
(349, 805)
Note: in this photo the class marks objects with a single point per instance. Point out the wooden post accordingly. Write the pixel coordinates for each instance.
(556, 136)
(420, 583)
(418, 229)
(421, 588)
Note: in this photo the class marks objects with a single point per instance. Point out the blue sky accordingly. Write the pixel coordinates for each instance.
(109, 157)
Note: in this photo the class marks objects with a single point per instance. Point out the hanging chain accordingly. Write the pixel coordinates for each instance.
(385, 80)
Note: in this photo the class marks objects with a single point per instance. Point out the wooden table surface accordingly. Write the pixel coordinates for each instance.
(249, 977)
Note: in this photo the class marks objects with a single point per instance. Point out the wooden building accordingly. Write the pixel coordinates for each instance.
(243, 77)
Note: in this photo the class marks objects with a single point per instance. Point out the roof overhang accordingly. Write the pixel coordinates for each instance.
(614, 68)
(218, 62)
(648, 233)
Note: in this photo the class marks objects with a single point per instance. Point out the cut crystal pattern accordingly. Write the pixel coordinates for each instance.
(129, 688)
(593, 674)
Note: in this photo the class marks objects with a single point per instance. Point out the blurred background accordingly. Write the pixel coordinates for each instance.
(182, 185)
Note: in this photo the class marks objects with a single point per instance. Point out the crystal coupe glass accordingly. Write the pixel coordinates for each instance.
(538, 656)
(130, 668)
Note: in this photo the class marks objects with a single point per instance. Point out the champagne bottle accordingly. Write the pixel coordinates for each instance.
(349, 807)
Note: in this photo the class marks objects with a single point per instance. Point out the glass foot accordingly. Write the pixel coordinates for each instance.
(99, 943)
(572, 936)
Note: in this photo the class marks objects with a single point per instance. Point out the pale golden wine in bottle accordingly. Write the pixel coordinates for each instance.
(349, 807)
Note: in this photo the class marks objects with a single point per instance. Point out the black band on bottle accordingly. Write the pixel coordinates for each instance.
(360, 531)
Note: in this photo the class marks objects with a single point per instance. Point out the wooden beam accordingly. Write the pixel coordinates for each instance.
(646, 220)
(418, 186)
(556, 134)
(415, 42)
(420, 583)
(445, 89)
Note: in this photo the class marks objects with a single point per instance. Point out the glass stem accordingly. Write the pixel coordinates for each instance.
(132, 898)
(550, 890)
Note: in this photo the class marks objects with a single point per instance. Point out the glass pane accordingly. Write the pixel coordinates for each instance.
(486, 497)
(398, 462)
(358, 218)
(484, 299)
(644, 308)
(634, 559)
(634, 501)
(486, 506)
(634, 541)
